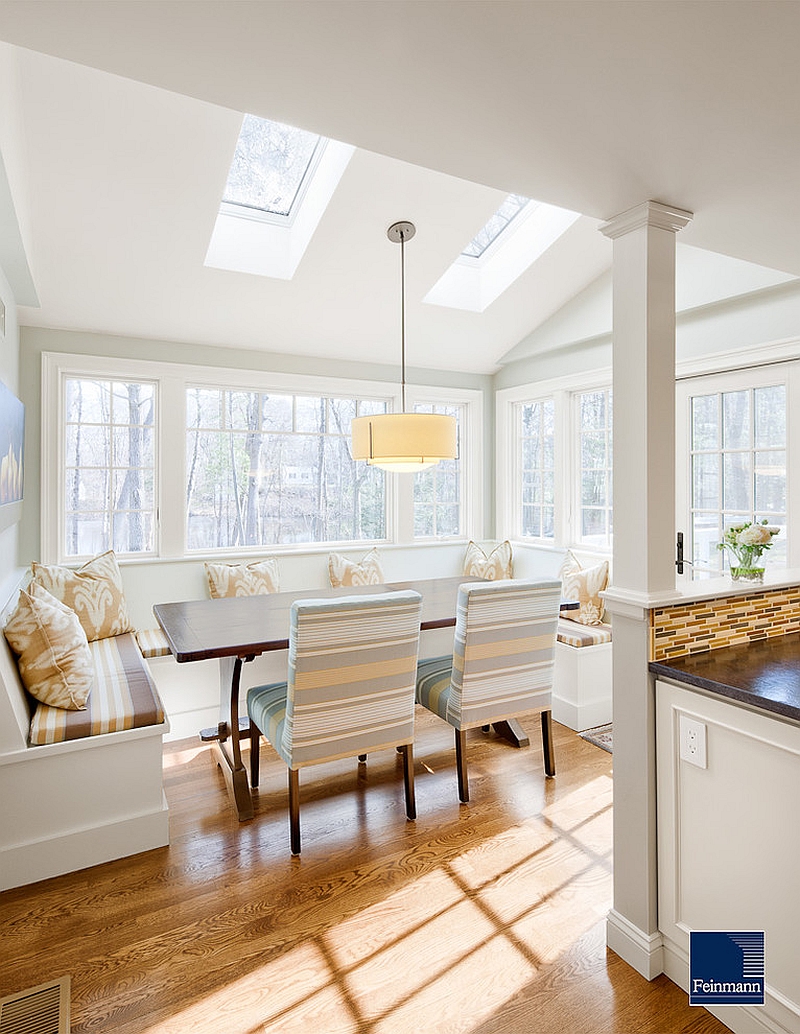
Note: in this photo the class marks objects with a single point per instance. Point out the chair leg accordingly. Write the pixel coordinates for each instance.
(407, 750)
(294, 809)
(461, 765)
(255, 751)
(362, 758)
(547, 743)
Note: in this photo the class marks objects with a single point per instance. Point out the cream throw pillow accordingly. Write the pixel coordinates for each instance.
(256, 579)
(367, 571)
(584, 585)
(53, 656)
(498, 564)
(94, 592)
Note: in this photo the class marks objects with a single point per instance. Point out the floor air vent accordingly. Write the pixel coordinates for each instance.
(39, 1010)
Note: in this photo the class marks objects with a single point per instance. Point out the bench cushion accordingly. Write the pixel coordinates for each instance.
(123, 697)
(574, 634)
(153, 643)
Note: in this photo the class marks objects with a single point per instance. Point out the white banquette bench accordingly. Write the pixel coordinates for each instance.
(68, 805)
(80, 787)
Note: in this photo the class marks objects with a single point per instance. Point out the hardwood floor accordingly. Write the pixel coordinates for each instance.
(480, 918)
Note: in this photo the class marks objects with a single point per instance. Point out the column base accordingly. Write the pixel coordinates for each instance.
(645, 952)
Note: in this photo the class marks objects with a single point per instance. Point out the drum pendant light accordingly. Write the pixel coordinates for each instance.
(403, 442)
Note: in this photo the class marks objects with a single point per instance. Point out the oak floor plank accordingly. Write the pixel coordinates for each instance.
(480, 918)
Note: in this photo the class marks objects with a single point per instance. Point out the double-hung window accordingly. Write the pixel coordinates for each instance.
(535, 427)
(594, 468)
(109, 498)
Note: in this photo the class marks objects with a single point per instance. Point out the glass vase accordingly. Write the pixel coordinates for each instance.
(747, 574)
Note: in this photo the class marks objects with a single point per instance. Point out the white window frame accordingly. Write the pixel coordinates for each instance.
(172, 380)
(563, 391)
(707, 383)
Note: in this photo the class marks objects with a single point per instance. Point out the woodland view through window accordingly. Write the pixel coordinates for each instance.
(110, 466)
(265, 468)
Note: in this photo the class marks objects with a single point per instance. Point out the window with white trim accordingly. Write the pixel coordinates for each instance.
(110, 466)
(594, 450)
(266, 469)
(733, 448)
(535, 427)
(437, 490)
(172, 460)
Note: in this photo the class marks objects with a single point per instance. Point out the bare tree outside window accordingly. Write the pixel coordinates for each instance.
(437, 490)
(110, 466)
(536, 436)
(268, 469)
(595, 457)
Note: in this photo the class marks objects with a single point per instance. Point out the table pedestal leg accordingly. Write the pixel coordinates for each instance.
(227, 748)
(512, 731)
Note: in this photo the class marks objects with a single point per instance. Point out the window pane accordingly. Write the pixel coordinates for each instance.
(736, 424)
(770, 482)
(109, 495)
(593, 410)
(737, 481)
(595, 444)
(705, 482)
(705, 422)
(770, 417)
(535, 423)
(437, 490)
(259, 482)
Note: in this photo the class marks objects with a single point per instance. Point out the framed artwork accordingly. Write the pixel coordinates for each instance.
(12, 448)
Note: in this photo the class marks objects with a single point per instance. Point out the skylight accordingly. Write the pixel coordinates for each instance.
(279, 185)
(271, 163)
(512, 206)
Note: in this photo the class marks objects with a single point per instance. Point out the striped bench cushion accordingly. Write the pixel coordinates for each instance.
(123, 697)
(153, 643)
(572, 633)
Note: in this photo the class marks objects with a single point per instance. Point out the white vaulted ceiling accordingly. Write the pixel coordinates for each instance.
(129, 114)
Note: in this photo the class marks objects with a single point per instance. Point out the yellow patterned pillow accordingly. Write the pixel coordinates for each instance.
(94, 592)
(584, 585)
(53, 656)
(498, 564)
(367, 571)
(256, 579)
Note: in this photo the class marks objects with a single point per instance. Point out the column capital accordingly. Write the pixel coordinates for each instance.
(651, 213)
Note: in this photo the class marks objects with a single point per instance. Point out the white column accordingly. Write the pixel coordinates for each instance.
(644, 551)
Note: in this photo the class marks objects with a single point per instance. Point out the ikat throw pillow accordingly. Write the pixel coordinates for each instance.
(256, 579)
(367, 571)
(53, 656)
(498, 564)
(93, 591)
(584, 584)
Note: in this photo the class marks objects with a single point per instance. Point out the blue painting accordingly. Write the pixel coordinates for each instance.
(12, 441)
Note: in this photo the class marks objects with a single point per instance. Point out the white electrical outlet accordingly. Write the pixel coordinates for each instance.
(693, 741)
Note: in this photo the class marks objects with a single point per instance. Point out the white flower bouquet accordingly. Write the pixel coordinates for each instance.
(746, 542)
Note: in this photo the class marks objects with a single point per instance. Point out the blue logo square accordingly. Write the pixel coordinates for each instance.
(726, 968)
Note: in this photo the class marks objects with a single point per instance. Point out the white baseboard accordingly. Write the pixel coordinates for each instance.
(777, 1016)
(641, 950)
(22, 864)
(581, 716)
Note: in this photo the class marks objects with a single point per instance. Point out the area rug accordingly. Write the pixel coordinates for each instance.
(600, 737)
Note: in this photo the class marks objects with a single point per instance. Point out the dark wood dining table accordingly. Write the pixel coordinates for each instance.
(240, 628)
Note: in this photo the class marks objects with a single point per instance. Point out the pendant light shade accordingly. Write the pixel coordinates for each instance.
(403, 442)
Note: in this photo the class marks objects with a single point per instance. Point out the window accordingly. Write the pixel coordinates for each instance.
(511, 207)
(594, 468)
(737, 462)
(177, 460)
(437, 490)
(271, 164)
(109, 492)
(265, 469)
(536, 437)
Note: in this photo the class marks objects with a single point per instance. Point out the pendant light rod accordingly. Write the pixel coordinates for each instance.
(400, 233)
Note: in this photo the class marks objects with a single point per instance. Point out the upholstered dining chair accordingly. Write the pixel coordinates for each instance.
(350, 688)
(502, 662)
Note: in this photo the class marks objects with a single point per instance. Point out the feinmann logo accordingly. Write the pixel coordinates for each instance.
(726, 968)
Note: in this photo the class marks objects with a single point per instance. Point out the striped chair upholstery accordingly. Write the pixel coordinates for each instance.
(350, 688)
(502, 662)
